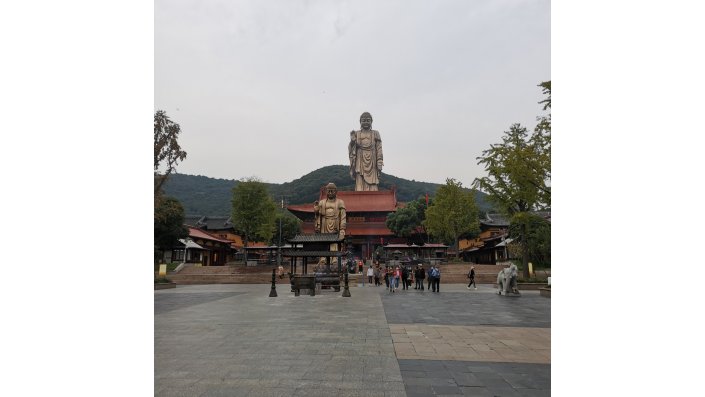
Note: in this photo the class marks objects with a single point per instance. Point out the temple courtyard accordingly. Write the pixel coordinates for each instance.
(234, 340)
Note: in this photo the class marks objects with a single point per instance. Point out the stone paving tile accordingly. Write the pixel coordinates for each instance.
(470, 307)
(472, 378)
(472, 343)
(235, 340)
(188, 391)
(270, 392)
(168, 302)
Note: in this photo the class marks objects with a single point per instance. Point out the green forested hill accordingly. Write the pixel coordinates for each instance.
(201, 195)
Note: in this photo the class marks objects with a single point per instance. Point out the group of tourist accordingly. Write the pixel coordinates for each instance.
(394, 276)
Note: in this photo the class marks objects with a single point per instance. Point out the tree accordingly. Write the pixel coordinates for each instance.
(452, 214)
(168, 225)
(291, 226)
(253, 212)
(542, 140)
(546, 88)
(519, 174)
(538, 237)
(167, 152)
(406, 221)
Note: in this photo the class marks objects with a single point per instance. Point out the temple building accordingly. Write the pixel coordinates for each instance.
(366, 213)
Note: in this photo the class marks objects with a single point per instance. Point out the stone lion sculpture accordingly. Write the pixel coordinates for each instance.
(507, 280)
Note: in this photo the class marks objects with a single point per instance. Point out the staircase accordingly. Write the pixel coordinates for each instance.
(241, 274)
(458, 273)
(232, 274)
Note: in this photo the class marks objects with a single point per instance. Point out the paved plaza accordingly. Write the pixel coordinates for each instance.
(234, 340)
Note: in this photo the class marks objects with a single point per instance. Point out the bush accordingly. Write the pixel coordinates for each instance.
(161, 280)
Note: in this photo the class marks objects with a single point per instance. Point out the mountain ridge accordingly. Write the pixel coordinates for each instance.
(203, 195)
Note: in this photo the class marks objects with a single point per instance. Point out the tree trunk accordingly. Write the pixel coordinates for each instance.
(457, 249)
(524, 253)
(245, 250)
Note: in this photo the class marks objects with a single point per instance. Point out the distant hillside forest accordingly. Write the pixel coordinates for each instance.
(201, 195)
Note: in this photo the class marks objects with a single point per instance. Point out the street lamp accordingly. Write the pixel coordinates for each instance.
(279, 246)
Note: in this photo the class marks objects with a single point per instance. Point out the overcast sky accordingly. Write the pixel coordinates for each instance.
(76, 105)
(273, 88)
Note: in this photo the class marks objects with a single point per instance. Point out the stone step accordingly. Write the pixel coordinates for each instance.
(240, 274)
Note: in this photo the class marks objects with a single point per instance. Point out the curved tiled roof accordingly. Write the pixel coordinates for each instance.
(198, 233)
(315, 238)
(355, 229)
(380, 201)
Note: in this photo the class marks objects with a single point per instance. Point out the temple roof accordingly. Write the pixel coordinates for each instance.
(380, 201)
(209, 222)
(316, 238)
(500, 220)
(356, 229)
(198, 233)
(426, 245)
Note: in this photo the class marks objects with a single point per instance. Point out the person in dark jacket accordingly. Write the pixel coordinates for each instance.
(404, 277)
(429, 278)
(436, 274)
(420, 275)
(471, 276)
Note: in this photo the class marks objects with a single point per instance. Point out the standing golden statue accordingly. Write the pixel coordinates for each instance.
(365, 152)
(329, 213)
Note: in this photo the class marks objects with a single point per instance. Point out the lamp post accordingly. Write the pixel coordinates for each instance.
(279, 245)
(273, 291)
(185, 250)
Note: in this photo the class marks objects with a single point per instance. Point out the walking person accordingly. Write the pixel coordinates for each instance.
(471, 276)
(376, 274)
(436, 279)
(410, 280)
(395, 277)
(386, 277)
(429, 277)
(404, 278)
(420, 276)
(370, 274)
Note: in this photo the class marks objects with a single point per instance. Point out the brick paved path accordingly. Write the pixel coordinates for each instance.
(233, 340)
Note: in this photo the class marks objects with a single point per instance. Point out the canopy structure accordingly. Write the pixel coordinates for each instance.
(190, 244)
(504, 243)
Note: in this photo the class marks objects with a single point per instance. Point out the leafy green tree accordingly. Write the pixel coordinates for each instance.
(541, 139)
(405, 221)
(167, 152)
(291, 226)
(253, 212)
(538, 237)
(546, 89)
(519, 174)
(168, 225)
(452, 214)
